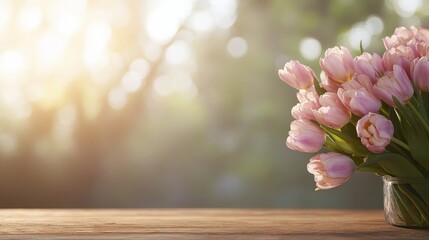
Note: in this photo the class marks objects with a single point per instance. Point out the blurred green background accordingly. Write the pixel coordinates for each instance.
(172, 103)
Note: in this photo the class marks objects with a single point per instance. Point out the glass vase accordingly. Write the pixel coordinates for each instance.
(406, 202)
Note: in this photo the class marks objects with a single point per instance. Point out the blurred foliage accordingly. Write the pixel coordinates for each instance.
(223, 147)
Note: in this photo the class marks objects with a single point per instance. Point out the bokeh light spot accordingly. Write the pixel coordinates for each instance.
(375, 25)
(357, 34)
(237, 47)
(406, 8)
(131, 81)
(117, 98)
(178, 53)
(202, 21)
(310, 48)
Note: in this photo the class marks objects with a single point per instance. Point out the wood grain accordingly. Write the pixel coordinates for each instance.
(199, 224)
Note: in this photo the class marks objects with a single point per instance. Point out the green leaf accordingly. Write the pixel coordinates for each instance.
(393, 164)
(350, 130)
(396, 123)
(416, 135)
(361, 47)
(418, 144)
(318, 88)
(345, 142)
(425, 100)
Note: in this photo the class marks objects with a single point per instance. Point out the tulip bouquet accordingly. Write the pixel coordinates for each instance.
(370, 113)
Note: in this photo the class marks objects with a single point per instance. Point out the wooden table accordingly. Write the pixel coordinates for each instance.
(199, 224)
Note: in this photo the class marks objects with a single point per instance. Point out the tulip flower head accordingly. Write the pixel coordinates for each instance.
(394, 84)
(308, 101)
(332, 112)
(305, 136)
(421, 74)
(358, 97)
(297, 75)
(401, 36)
(330, 169)
(337, 65)
(375, 132)
(369, 65)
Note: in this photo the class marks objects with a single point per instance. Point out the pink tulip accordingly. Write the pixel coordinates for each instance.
(401, 36)
(332, 112)
(297, 75)
(394, 84)
(358, 97)
(370, 65)
(303, 110)
(338, 64)
(420, 34)
(330, 169)
(422, 49)
(375, 132)
(421, 74)
(401, 55)
(327, 83)
(306, 95)
(412, 38)
(305, 136)
(308, 101)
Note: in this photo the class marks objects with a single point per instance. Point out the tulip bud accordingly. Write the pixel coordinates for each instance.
(375, 132)
(338, 64)
(401, 36)
(330, 169)
(297, 75)
(332, 112)
(305, 136)
(394, 84)
(358, 97)
(421, 74)
(308, 101)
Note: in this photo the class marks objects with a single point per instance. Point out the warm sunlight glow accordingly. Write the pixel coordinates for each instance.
(5, 15)
(50, 49)
(223, 12)
(202, 21)
(97, 36)
(65, 63)
(181, 83)
(178, 53)
(12, 63)
(30, 17)
(117, 98)
(163, 20)
(67, 16)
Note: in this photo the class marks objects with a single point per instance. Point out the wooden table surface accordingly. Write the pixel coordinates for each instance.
(199, 224)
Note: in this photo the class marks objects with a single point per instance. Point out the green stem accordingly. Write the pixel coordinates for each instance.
(421, 106)
(424, 123)
(385, 112)
(417, 204)
(411, 210)
(400, 143)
